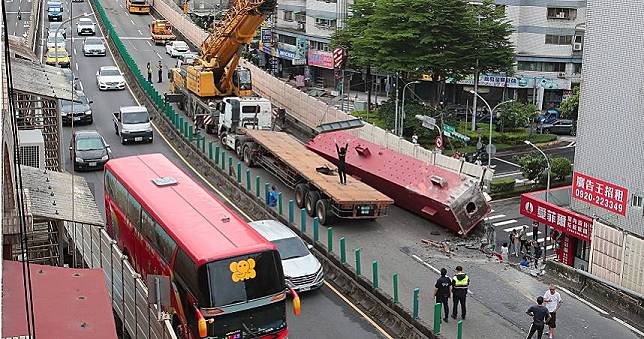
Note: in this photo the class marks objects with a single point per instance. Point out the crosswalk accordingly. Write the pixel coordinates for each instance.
(507, 224)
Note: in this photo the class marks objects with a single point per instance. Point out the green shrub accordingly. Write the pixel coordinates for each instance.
(542, 138)
(560, 168)
(501, 185)
(532, 165)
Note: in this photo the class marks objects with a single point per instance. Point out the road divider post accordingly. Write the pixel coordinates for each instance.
(358, 261)
(343, 250)
(248, 188)
(329, 239)
(257, 180)
(210, 150)
(291, 207)
(239, 171)
(217, 155)
(395, 288)
(437, 317)
(415, 302)
(303, 220)
(374, 273)
(459, 329)
(230, 165)
(279, 203)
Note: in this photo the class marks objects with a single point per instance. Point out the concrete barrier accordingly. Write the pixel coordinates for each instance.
(621, 304)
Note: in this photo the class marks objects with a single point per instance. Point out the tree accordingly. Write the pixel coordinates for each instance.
(560, 167)
(570, 107)
(532, 166)
(516, 114)
(437, 37)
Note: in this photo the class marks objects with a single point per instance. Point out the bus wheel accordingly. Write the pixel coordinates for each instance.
(323, 211)
(248, 157)
(312, 198)
(300, 194)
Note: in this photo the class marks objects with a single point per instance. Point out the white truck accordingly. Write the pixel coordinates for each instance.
(236, 114)
(132, 123)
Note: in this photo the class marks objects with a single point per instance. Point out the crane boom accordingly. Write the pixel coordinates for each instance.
(214, 72)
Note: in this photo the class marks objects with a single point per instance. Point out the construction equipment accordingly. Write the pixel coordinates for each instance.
(161, 32)
(215, 73)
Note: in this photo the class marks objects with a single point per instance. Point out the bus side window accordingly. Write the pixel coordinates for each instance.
(134, 211)
(109, 183)
(165, 243)
(121, 197)
(147, 228)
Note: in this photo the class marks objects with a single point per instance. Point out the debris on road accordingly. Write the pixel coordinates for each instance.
(443, 245)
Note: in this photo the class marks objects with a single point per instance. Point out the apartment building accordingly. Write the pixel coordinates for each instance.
(548, 39)
(296, 40)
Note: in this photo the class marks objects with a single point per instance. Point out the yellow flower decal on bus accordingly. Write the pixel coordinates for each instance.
(243, 270)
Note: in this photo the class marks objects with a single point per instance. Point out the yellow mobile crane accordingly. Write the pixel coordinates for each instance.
(200, 87)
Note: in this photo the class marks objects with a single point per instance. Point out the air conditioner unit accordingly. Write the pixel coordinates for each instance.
(301, 25)
(32, 148)
(577, 46)
(561, 75)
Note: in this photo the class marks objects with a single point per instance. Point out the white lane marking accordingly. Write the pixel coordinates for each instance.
(159, 55)
(133, 38)
(75, 51)
(492, 217)
(132, 21)
(510, 229)
(583, 301)
(426, 264)
(120, 5)
(507, 162)
(506, 222)
(140, 33)
(76, 64)
(149, 43)
(629, 326)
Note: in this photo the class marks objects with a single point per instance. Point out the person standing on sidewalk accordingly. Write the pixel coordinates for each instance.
(540, 316)
(460, 283)
(553, 301)
(535, 230)
(537, 253)
(505, 252)
(441, 291)
(517, 243)
(523, 237)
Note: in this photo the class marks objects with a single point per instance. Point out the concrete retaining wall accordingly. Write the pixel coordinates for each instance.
(620, 304)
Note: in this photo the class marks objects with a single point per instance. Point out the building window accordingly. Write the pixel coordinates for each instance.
(324, 23)
(558, 39)
(329, 1)
(319, 46)
(562, 13)
(287, 39)
(637, 200)
(576, 68)
(541, 66)
(288, 15)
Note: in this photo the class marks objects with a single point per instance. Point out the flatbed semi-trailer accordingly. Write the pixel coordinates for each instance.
(314, 179)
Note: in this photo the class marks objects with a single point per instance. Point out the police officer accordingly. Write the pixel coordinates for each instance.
(160, 71)
(460, 282)
(441, 291)
(149, 73)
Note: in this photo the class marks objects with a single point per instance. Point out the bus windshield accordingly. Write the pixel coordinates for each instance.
(244, 278)
(138, 2)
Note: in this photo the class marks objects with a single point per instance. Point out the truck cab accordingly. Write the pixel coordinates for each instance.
(551, 115)
(132, 123)
(239, 113)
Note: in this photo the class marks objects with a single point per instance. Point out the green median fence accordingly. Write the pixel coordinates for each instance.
(316, 229)
(239, 172)
(415, 302)
(291, 208)
(358, 261)
(395, 278)
(437, 317)
(343, 250)
(303, 220)
(279, 203)
(374, 273)
(329, 239)
(248, 180)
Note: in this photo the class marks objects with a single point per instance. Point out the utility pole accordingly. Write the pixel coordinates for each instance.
(396, 111)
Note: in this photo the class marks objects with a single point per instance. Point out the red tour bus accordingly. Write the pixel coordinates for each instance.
(226, 280)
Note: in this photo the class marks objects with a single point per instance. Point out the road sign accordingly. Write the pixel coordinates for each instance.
(439, 142)
(338, 57)
(490, 149)
(449, 129)
(460, 136)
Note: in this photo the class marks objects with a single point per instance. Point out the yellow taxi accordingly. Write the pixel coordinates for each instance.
(60, 53)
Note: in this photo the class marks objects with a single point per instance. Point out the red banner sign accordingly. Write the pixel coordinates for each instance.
(559, 218)
(599, 193)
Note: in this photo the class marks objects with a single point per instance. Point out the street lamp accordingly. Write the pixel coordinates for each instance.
(489, 156)
(402, 109)
(545, 227)
(61, 26)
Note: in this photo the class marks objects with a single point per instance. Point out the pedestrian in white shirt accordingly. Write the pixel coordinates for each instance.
(552, 301)
(504, 252)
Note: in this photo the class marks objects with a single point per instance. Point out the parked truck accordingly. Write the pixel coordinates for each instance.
(161, 32)
(132, 123)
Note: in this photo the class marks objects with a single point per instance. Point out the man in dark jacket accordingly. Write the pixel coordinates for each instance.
(460, 283)
(540, 316)
(441, 291)
(342, 167)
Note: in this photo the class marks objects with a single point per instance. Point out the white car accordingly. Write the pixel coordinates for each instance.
(176, 48)
(55, 41)
(94, 46)
(110, 77)
(85, 26)
(302, 270)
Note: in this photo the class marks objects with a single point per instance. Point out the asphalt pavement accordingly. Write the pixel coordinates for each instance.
(14, 7)
(394, 240)
(319, 308)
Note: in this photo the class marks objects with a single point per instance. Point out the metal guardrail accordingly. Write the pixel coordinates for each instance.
(127, 291)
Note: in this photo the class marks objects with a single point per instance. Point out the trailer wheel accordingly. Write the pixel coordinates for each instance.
(248, 157)
(238, 149)
(300, 194)
(312, 198)
(222, 140)
(323, 211)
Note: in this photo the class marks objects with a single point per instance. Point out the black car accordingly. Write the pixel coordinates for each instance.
(88, 150)
(561, 126)
(82, 112)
